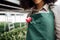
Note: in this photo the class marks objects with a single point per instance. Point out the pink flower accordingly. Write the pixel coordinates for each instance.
(29, 19)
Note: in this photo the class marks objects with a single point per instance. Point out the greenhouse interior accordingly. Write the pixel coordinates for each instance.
(13, 25)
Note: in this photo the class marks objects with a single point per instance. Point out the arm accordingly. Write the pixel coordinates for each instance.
(56, 11)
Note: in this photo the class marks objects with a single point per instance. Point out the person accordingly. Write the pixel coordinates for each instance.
(45, 23)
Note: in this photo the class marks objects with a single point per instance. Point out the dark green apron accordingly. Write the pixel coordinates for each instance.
(41, 27)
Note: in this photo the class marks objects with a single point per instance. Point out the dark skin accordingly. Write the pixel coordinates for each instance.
(39, 4)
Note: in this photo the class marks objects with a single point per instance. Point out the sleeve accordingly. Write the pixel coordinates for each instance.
(56, 11)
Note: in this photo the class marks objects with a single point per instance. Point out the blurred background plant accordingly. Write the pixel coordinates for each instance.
(18, 33)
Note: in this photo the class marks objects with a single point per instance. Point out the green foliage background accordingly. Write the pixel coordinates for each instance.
(18, 33)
